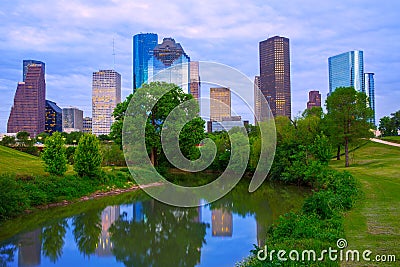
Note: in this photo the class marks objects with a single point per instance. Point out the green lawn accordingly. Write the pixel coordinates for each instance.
(394, 139)
(374, 223)
(19, 163)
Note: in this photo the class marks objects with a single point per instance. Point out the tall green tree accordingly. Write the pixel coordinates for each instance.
(348, 116)
(88, 157)
(169, 97)
(54, 154)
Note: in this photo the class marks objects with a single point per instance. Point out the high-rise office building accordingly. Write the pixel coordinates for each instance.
(53, 118)
(347, 70)
(106, 94)
(87, 125)
(314, 99)
(170, 58)
(220, 103)
(28, 111)
(195, 80)
(143, 45)
(370, 91)
(27, 62)
(275, 74)
(72, 120)
(257, 98)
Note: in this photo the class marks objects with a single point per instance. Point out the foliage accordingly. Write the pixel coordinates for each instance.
(72, 138)
(54, 155)
(169, 97)
(348, 117)
(41, 138)
(389, 126)
(119, 115)
(12, 199)
(112, 155)
(70, 153)
(8, 141)
(88, 158)
(26, 144)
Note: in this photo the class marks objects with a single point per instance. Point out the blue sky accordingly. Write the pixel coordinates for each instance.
(75, 38)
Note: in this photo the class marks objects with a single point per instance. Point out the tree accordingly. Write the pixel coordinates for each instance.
(169, 97)
(348, 116)
(88, 158)
(119, 115)
(41, 138)
(8, 141)
(387, 126)
(54, 154)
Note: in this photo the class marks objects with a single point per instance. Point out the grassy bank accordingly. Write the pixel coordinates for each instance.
(19, 163)
(24, 185)
(393, 139)
(374, 222)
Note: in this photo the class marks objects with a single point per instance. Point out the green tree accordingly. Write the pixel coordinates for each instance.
(54, 154)
(387, 126)
(8, 141)
(119, 115)
(170, 96)
(348, 116)
(41, 138)
(26, 143)
(88, 157)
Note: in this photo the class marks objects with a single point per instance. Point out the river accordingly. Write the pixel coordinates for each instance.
(134, 230)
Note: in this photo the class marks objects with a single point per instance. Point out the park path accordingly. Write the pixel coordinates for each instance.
(384, 142)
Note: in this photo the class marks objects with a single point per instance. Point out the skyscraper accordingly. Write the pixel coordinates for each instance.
(53, 118)
(106, 94)
(370, 91)
(143, 45)
(314, 99)
(87, 125)
(170, 56)
(194, 80)
(220, 103)
(28, 111)
(347, 70)
(275, 74)
(72, 120)
(27, 62)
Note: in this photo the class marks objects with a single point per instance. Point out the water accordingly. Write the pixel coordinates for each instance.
(134, 230)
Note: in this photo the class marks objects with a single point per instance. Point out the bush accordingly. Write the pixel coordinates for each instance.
(88, 158)
(54, 155)
(13, 199)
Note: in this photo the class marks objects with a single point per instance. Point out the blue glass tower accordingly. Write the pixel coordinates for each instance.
(143, 45)
(347, 70)
(370, 91)
(171, 57)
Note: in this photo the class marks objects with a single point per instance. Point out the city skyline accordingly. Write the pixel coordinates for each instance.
(86, 44)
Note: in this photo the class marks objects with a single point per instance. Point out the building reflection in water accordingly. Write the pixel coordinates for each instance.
(108, 216)
(222, 222)
(138, 215)
(29, 251)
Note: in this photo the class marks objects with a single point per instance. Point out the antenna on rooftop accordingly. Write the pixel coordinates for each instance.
(113, 53)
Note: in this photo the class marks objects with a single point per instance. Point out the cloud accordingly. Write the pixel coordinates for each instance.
(75, 38)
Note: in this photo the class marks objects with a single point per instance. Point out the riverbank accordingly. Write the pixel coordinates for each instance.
(374, 222)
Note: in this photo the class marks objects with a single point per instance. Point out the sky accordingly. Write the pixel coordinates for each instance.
(75, 38)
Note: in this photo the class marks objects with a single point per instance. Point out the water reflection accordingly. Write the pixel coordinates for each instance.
(145, 232)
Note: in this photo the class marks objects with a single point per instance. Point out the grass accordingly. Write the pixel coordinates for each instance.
(394, 139)
(19, 163)
(374, 222)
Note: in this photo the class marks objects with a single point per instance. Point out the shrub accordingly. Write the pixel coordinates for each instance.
(88, 158)
(54, 155)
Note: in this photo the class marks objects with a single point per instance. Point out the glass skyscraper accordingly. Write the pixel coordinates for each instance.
(345, 70)
(170, 58)
(143, 45)
(370, 91)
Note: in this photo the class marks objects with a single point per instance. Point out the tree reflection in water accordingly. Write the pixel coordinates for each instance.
(166, 236)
